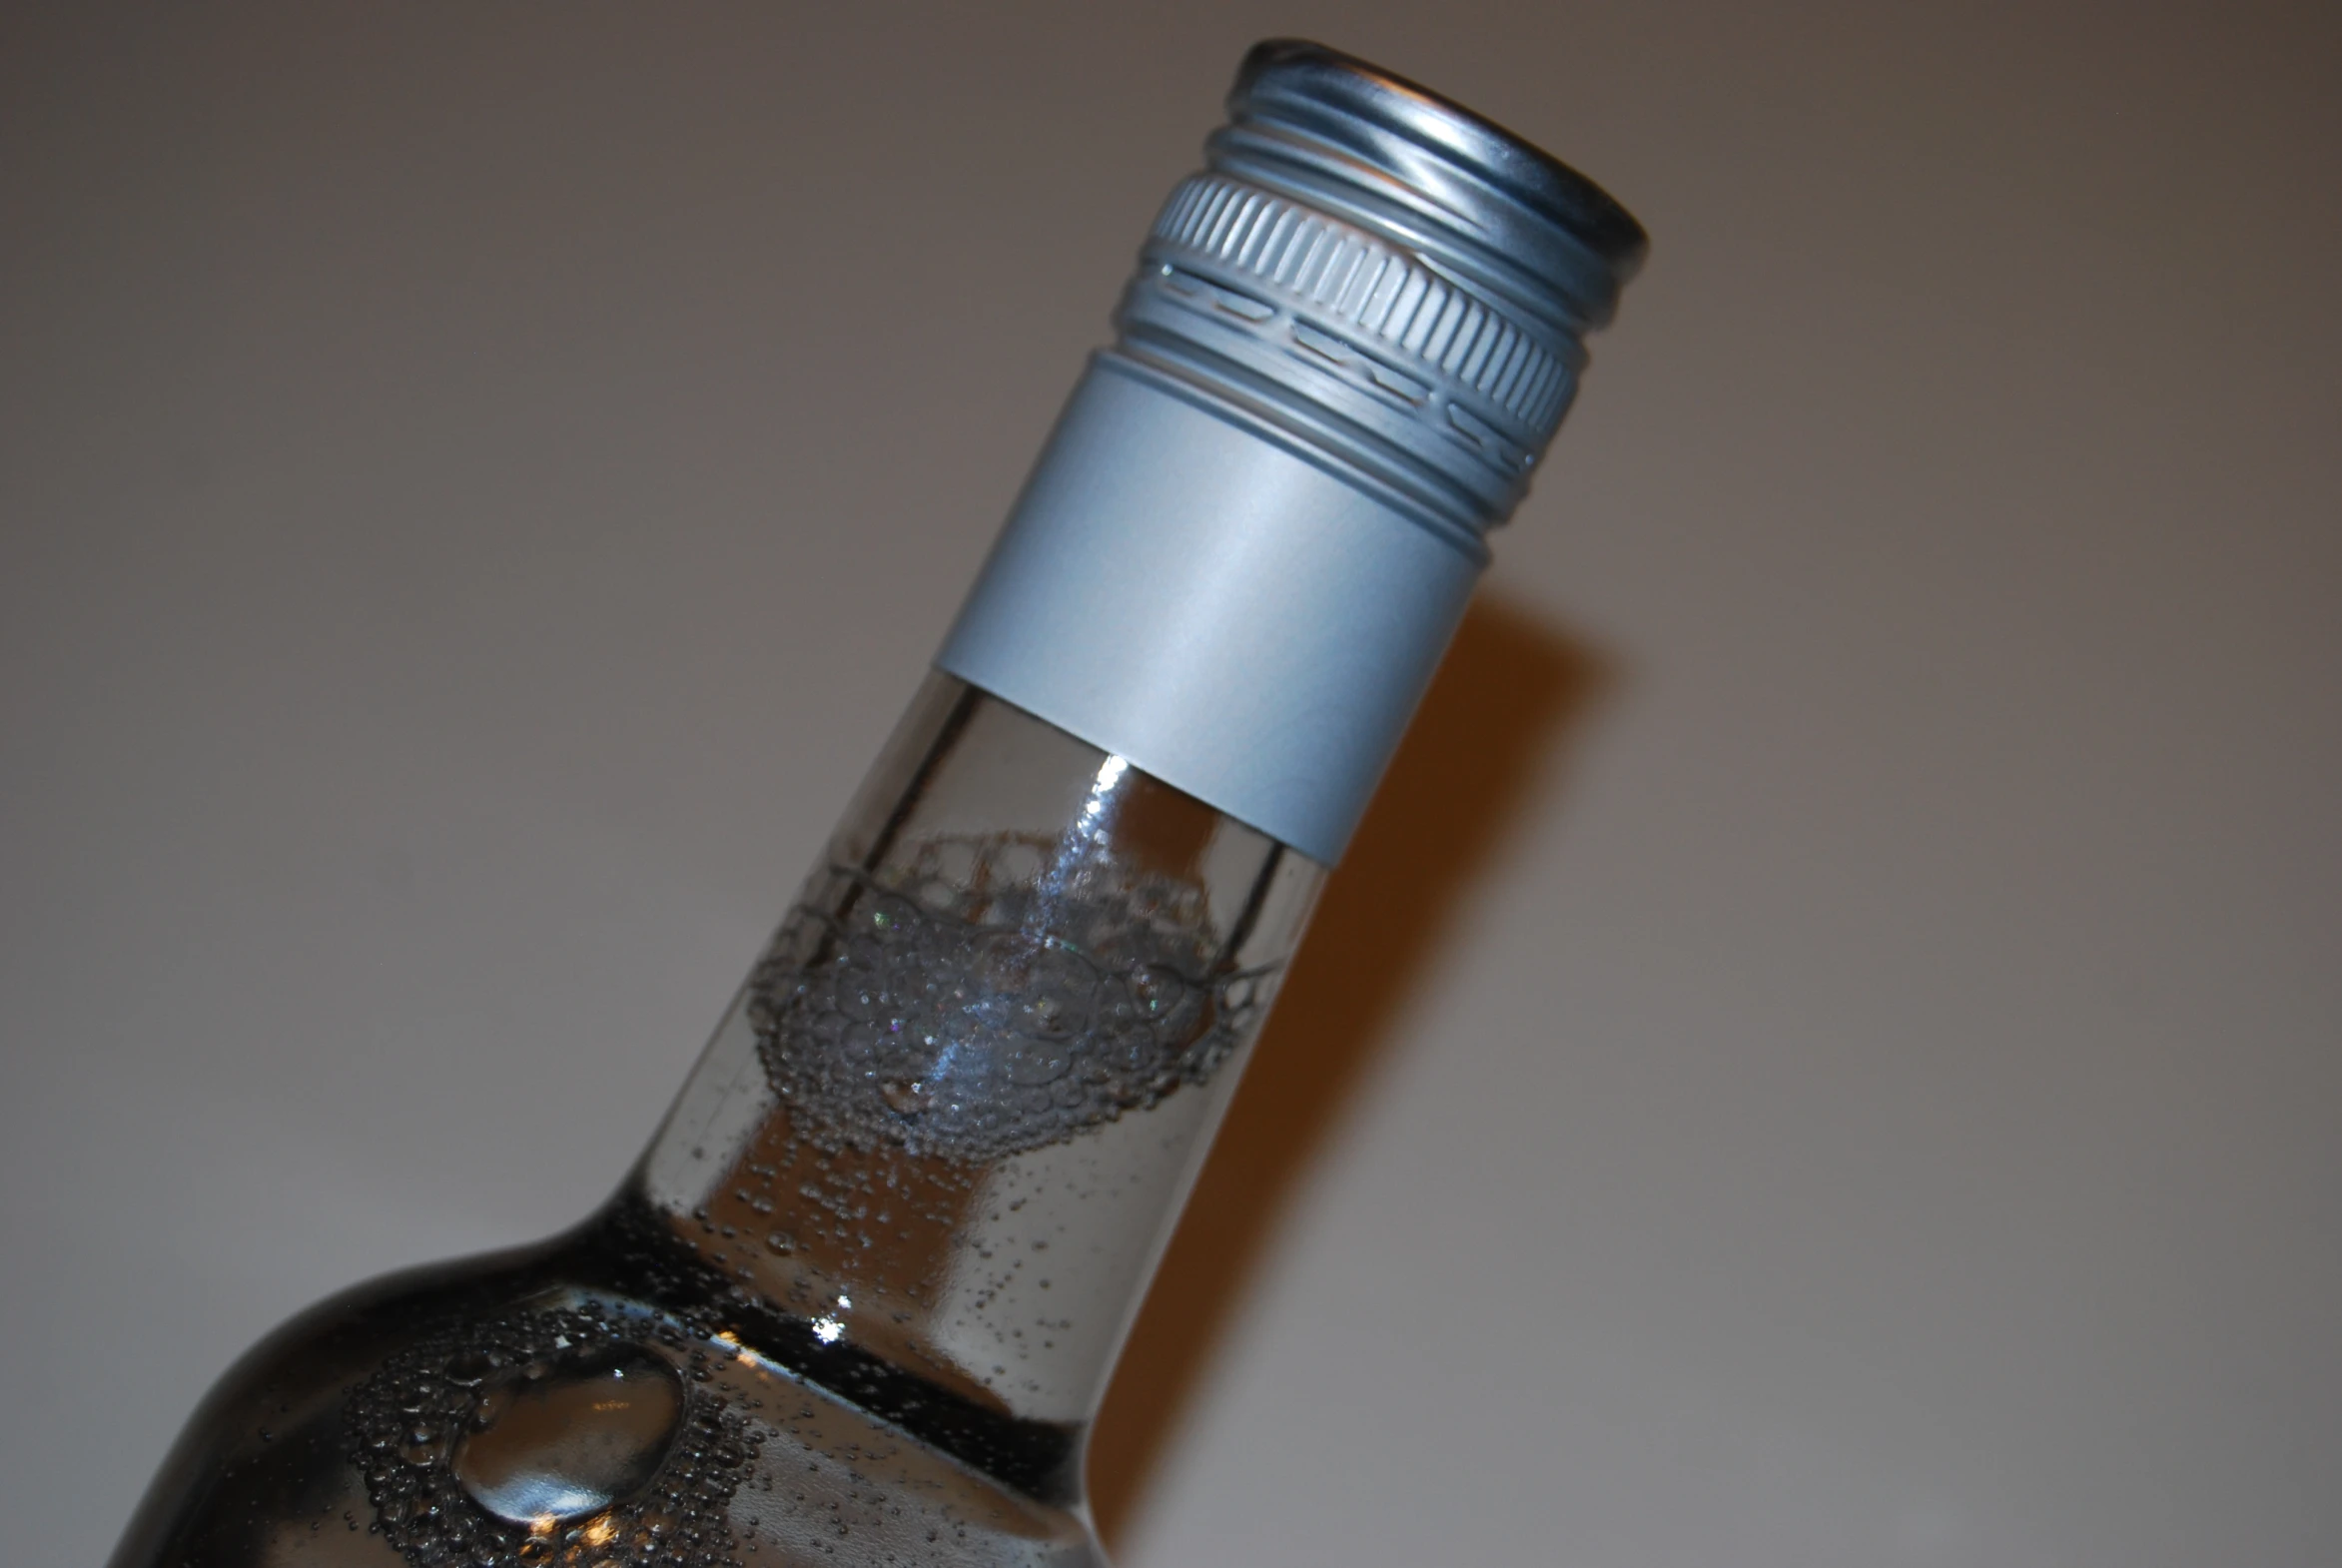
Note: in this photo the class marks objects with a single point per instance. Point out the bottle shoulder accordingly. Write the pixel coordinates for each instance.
(536, 1406)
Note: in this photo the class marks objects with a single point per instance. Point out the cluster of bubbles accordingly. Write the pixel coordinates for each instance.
(559, 1437)
(978, 1008)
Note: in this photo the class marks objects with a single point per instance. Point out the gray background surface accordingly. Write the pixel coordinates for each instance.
(1825, 1054)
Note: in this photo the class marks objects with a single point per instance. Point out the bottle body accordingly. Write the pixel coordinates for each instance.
(858, 1300)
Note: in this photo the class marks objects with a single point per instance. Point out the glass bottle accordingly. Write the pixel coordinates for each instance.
(857, 1302)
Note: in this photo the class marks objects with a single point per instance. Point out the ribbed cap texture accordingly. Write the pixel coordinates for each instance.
(1387, 276)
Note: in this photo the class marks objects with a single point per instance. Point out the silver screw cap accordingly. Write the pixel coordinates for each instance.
(1385, 274)
(1260, 516)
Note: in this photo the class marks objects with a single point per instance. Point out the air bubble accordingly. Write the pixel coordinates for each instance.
(543, 1422)
(574, 1442)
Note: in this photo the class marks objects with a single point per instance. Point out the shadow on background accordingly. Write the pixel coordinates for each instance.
(1511, 689)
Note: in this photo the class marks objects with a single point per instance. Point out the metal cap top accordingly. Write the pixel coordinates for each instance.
(1386, 277)
(1559, 239)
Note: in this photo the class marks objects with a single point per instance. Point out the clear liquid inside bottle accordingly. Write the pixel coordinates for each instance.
(858, 1299)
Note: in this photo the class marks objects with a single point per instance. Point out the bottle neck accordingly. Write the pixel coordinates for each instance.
(943, 1133)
